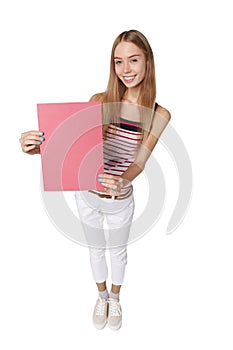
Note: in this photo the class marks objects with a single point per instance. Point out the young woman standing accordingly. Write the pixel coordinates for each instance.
(132, 124)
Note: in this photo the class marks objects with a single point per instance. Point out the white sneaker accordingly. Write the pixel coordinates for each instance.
(114, 314)
(100, 313)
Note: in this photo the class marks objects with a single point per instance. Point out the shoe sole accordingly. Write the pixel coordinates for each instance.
(99, 327)
(115, 328)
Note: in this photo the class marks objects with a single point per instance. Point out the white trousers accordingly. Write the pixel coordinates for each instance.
(119, 214)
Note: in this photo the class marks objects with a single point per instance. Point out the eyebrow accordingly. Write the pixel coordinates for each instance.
(127, 57)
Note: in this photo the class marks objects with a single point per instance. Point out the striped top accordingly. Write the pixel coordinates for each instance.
(120, 149)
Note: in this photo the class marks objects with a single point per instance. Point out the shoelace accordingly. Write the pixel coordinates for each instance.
(101, 307)
(114, 307)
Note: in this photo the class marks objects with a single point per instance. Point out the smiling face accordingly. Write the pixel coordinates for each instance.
(130, 64)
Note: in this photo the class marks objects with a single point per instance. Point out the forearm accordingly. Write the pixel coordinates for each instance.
(132, 172)
(139, 163)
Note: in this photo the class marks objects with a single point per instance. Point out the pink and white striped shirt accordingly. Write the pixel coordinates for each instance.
(120, 149)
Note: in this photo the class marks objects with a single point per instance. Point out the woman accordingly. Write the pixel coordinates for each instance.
(132, 124)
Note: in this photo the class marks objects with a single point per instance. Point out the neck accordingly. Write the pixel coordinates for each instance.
(131, 95)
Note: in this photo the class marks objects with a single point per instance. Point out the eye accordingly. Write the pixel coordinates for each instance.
(134, 60)
(118, 62)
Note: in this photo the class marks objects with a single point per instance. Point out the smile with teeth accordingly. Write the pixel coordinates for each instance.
(129, 79)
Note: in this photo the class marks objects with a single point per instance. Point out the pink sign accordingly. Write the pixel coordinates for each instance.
(72, 153)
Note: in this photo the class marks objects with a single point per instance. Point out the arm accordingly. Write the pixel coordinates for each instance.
(160, 121)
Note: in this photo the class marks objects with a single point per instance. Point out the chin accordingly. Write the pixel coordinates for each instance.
(133, 85)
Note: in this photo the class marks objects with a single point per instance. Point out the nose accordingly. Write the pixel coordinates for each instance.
(127, 67)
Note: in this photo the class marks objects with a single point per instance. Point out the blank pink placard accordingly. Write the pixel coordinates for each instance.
(72, 153)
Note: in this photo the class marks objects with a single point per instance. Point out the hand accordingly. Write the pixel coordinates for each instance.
(113, 184)
(30, 141)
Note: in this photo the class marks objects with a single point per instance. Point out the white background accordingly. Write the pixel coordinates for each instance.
(178, 289)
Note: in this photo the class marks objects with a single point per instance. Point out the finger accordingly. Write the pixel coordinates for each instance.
(106, 181)
(32, 142)
(33, 137)
(29, 142)
(32, 132)
(109, 186)
(112, 192)
(109, 180)
(108, 177)
(28, 148)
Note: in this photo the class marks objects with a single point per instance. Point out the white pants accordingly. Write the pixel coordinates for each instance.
(119, 214)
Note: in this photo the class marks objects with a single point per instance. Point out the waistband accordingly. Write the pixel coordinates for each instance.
(108, 196)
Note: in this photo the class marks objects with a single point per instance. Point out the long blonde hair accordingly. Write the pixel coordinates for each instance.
(116, 89)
